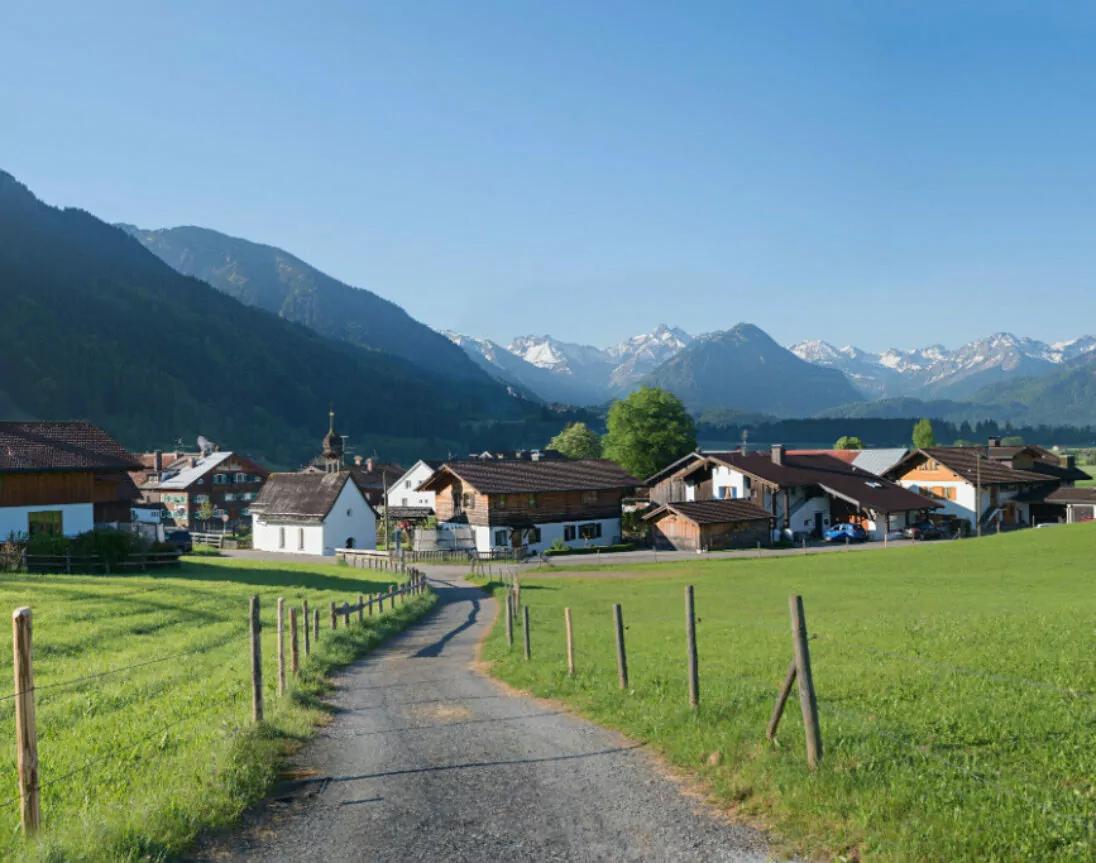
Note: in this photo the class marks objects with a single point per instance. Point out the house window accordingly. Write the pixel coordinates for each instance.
(220, 478)
(568, 532)
(403, 501)
(281, 537)
(201, 498)
(590, 531)
(46, 523)
(407, 484)
(246, 512)
(532, 536)
(256, 478)
(502, 537)
(229, 497)
(532, 500)
(241, 477)
(589, 497)
(501, 502)
(300, 539)
(468, 500)
(728, 492)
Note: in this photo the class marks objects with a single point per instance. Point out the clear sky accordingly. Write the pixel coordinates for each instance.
(881, 173)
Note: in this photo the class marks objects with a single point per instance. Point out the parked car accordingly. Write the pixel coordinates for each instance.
(846, 533)
(924, 530)
(180, 539)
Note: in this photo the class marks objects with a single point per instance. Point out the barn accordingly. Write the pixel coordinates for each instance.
(709, 525)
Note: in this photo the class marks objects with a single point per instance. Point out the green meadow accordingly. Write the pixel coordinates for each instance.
(956, 684)
(136, 763)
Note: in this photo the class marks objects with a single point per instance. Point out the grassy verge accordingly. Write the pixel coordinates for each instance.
(922, 761)
(136, 764)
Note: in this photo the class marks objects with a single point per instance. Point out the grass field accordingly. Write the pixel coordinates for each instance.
(135, 764)
(923, 760)
(1091, 471)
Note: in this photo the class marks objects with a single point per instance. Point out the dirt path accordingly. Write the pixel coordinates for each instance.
(430, 760)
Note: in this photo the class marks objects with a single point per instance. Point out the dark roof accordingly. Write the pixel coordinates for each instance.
(303, 496)
(1072, 495)
(964, 462)
(409, 513)
(834, 476)
(376, 478)
(1058, 472)
(503, 477)
(703, 512)
(34, 447)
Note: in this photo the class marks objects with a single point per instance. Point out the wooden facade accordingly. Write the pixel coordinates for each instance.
(456, 501)
(51, 488)
(673, 531)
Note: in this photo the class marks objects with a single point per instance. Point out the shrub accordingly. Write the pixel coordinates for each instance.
(603, 549)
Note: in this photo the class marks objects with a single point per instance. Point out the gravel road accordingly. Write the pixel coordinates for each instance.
(430, 760)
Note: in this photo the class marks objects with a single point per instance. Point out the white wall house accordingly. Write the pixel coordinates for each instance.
(72, 518)
(580, 533)
(312, 513)
(405, 491)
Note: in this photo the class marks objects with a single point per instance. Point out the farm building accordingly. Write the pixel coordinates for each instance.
(804, 493)
(62, 478)
(220, 484)
(526, 506)
(313, 513)
(703, 525)
(405, 501)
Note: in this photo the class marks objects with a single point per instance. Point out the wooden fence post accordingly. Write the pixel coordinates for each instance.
(622, 657)
(781, 700)
(509, 621)
(307, 620)
(690, 638)
(315, 625)
(517, 593)
(346, 615)
(281, 646)
(294, 644)
(392, 597)
(570, 642)
(525, 630)
(256, 662)
(370, 605)
(26, 732)
(361, 608)
(334, 617)
(807, 700)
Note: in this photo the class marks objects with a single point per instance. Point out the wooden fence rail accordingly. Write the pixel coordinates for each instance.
(70, 563)
(26, 733)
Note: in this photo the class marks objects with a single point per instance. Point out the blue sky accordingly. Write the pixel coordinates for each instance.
(880, 173)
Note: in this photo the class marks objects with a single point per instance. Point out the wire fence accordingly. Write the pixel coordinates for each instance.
(639, 665)
(292, 645)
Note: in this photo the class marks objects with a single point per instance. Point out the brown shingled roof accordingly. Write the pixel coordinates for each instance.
(303, 496)
(56, 446)
(1071, 495)
(504, 477)
(963, 461)
(701, 512)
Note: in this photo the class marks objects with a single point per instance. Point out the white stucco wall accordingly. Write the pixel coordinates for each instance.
(724, 476)
(75, 518)
(404, 493)
(350, 517)
(610, 533)
(964, 504)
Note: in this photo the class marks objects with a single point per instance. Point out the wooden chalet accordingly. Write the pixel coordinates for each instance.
(531, 504)
(221, 484)
(62, 478)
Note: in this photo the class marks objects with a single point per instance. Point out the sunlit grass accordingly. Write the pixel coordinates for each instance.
(921, 762)
(135, 764)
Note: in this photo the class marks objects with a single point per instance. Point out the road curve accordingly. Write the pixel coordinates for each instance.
(430, 760)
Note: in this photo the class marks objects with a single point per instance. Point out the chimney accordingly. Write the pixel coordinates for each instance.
(778, 453)
(193, 461)
(358, 460)
(369, 464)
(158, 460)
(994, 441)
(1069, 462)
(216, 447)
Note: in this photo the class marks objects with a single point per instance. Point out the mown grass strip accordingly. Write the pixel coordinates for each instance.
(983, 747)
(137, 763)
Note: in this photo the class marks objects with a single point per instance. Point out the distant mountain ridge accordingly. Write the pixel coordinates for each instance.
(937, 373)
(273, 279)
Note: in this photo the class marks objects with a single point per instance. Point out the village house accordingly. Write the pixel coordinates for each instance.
(998, 486)
(526, 506)
(313, 511)
(62, 478)
(221, 484)
(405, 502)
(803, 493)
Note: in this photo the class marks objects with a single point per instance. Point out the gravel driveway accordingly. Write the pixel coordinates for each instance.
(429, 760)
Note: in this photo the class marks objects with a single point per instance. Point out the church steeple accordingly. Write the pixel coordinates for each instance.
(333, 447)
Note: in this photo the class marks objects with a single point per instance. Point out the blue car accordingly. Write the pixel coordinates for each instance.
(846, 533)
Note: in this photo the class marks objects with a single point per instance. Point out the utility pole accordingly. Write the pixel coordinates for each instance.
(387, 535)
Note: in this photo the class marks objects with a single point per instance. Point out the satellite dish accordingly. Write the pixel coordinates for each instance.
(204, 445)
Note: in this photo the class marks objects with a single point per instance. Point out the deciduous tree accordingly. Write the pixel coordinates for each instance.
(577, 441)
(648, 430)
(848, 442)
(923, 435)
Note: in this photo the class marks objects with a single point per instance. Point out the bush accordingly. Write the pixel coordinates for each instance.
(603, 549)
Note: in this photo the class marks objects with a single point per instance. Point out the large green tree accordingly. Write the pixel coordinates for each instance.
(923, 435)
(648, 430)
(577, 441)
(848, 442)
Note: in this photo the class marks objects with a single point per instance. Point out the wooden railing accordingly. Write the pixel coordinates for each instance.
(69, 563)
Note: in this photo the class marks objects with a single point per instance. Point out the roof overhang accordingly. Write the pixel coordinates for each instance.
(925, 504)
